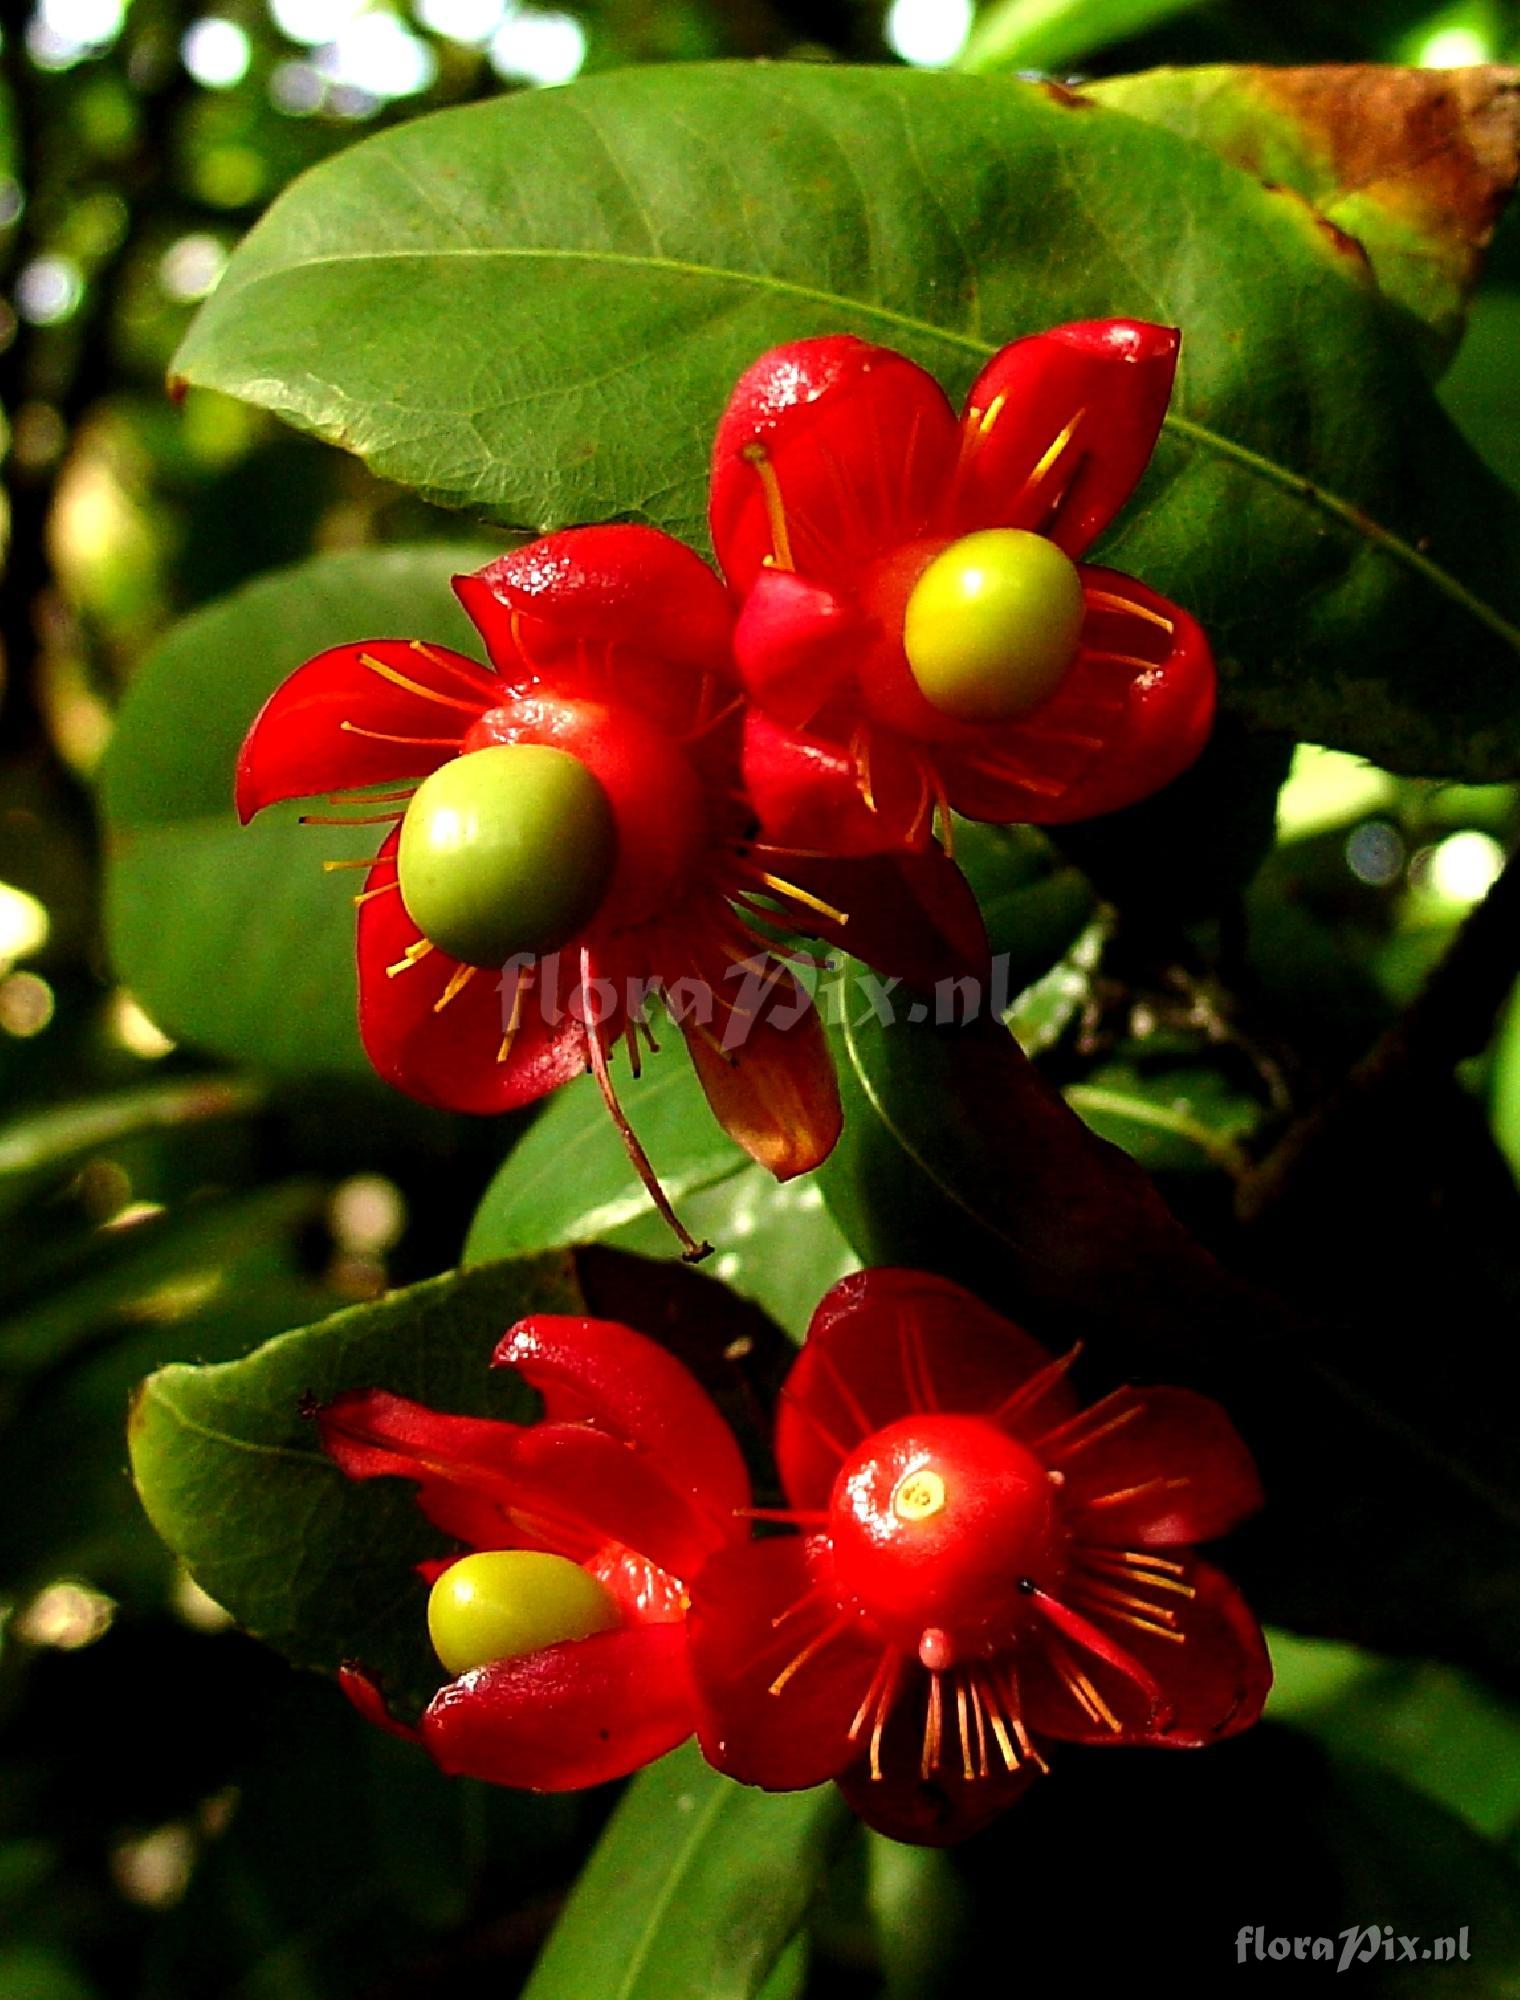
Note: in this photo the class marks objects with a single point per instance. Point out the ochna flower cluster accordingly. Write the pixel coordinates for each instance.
(972, 1567)
(663, 782)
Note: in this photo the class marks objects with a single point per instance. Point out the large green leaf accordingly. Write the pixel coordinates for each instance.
(230, 1472)
(233, 937)
(568, 282)
(568, 1181)
(695, 1890)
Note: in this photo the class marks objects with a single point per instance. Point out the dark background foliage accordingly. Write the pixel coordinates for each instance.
(184, 1815)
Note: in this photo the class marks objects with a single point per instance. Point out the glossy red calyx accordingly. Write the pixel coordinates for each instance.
(984, 1566)
(917, 625)
(564, 1625)
(939, 1526)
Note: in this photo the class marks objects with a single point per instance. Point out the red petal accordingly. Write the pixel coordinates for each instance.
(859, 442)
(456, 1462)
(608, 1375)
(1180, 1459)
(1131, 715)
(614, 585)
(364, 1692)
(765, 1067)
(912, 916)
(795, 644)
(447, 1050)
(562, 1487)
(874, 1339)
(754, 1612)
(306, 738)
(1215, 1681)
(812, 794)
(1110, 379)
(568, 1716)
(947, 1806)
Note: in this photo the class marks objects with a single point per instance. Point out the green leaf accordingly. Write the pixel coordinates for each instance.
(570, 281)
(1443, 1732)
(568, 1181)
(229, 1470)
(1049, 34)
(234, 938)
(694, 1891)
(1409, 166)
(1174, 1117)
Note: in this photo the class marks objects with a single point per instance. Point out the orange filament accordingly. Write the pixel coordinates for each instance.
(808, 901)
(810, 1651)
(514, 1019)
(459, 979)
(691, 1249)
(1030, 1392)
(401, 680)
(755, 454)
(351, 819)
(413, 955)
(934, 1727)
(414, 742)
(1125, 1493)
(1103, 600)
(480, 681)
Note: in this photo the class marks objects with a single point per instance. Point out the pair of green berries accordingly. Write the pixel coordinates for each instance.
(510, 850)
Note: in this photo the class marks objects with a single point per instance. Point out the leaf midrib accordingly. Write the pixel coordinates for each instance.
(1351, 518)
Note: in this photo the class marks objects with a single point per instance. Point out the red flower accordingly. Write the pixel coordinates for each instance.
(983, 1565)
(903, 658)
(632, 1477)
(579, 834)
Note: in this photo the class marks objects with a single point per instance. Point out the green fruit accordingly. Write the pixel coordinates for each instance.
(502, 1603)
(993, 623)
(506, 850)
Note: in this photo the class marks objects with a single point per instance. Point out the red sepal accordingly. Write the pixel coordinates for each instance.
(598, 1372)
(1111, 379)
(776, 1699)
(859, 441)
(1178, 1457)
(813, 794)
(558, 1486)
(874, 1339)
(336, 723)
(568, 1716)
(1214, 1678)
(764, 1066)
(616, 585)
(447, 1052)
(796, 643)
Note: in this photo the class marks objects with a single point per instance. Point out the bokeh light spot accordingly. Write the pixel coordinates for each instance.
(930, 34)
(537, 47)
(48, 289)
(216, 52)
